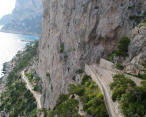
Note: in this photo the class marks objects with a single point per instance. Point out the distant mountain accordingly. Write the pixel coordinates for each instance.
(26, 18)
(5, 19)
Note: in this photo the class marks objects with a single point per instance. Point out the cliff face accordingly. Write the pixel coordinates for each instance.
(26, 18)
(79, 32)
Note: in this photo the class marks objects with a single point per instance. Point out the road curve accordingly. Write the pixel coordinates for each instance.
(36, 95)
(102, 74)
(104, 89)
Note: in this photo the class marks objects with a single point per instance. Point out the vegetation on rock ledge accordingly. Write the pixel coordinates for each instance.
(131, 97)
(91, 97)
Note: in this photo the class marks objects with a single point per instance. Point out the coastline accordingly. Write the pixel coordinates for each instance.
(7, 68)
(24, 33)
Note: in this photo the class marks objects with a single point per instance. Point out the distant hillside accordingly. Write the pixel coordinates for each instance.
(26, 18)
(5, 19)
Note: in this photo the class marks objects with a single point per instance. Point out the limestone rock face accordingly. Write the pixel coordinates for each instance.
(26, 18)
(79, 32)
(137, 50)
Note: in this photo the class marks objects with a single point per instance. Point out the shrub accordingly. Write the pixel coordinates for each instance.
(62, 98)
(69, 108)
(73, 49)
(142, 76)
(143, 83)
(143, 23)
(48, 74)
(78, 89)
(119, 66)
(131, 97)
(123, 47)
(90, 96)
(85, 79)
(37, 88)
(79, 71)
(61, 47)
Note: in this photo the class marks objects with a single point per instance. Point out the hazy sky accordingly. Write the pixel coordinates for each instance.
(6, 7)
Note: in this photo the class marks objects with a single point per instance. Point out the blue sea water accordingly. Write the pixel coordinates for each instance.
(10, 44)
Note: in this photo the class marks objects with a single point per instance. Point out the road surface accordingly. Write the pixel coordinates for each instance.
(102, 74)
(36, 95)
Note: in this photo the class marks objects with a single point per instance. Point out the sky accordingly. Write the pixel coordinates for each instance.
(6, 7)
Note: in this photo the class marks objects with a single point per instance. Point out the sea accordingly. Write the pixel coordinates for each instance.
(10, 44)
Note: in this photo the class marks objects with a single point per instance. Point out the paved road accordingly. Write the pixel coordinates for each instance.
(36, 95)
(103, 74)
(103, 85)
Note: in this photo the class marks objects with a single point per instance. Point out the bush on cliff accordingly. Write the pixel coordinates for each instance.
(91, 97)
(67, 108)
(131, 97)
(123, 47)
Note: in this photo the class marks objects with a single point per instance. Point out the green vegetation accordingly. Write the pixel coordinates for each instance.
(61, 47)
(143, 23)
(91, 97)
(123, 47)
(30, 77)
(131, 97)
(138, 18)
(48, 74)
(43, 111)
(79, 71)
(16, 99)
(140, 75)
(34, 80)
(119, 66)
(143, 83)
(66, 107)
(73, 49)
(111, 56)
(122, 51)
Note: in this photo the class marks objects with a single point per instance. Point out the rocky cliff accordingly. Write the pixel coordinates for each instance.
(26, 18)
(79, 32)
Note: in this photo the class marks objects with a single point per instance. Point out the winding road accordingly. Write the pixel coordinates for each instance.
(102, 74)
(36, 95)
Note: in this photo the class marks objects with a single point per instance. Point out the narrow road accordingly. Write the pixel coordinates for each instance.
(102, 74)
(104, 86)
(36, 95)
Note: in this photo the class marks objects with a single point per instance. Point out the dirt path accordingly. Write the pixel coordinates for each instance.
(102, 74)
(36, 95)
